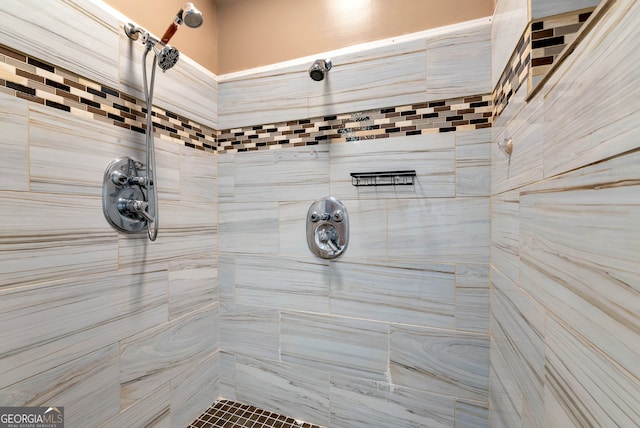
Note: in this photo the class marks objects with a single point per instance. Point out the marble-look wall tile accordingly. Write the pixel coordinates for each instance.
(510, 19)
(459, 63)
(195, 390)
(518, 331)
(226, 277)
(356, 402)
(14, 145)
(471, 414)
(409, 293)
(54, 240)
(171, 244)
(193, 284)
(296, 391)
(158, 355)
(168, 159)
(154, 410)
(58, 159)
(579, 230)
(86, 313)
(226, 166)
(227, 375)
(292, 229)
(189, 215)
(260, 282)
(505, 234)
(473, 162)
(367, 79)
(89, 47)
(472, 298)
(442, 361)
(525, 125)
(583, 385)
(88, 388)
(247, 227)
(599, 117)
(250, 331)
(432, 156)
(295, 174)
(440, 230)
(505, 399)
(544, 8)
(368, 236)
(370, 79)
(335, 344)
(265, 97)
(365, 403)
(198, 175)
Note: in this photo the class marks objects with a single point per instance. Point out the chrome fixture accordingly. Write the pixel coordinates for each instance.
(130, 201)
(167, 55)
(191, 17)
(507, 146)
(327, 228)
(125, 195)
(384, 178)
(319, 68)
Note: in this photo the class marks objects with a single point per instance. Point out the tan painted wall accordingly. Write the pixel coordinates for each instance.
(199, 44)
(243, 34)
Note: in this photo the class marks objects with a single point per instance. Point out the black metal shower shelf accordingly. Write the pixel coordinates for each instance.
(386, 178)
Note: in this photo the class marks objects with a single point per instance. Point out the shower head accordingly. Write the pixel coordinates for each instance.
(167, 57)
(319, 68)
(191, 16)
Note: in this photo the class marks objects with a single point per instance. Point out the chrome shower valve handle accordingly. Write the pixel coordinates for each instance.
(134, 207)
(327, 228)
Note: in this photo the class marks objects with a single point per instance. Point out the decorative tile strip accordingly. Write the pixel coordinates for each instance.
(449, 115)
(543, 41)
(33, 80)
(515, 73)
(549, 38)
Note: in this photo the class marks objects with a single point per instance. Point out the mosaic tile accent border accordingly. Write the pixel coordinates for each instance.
(33, 80)
(449, 115)
(549, 38)
(227, 413)
(515, 73)
(542, 42)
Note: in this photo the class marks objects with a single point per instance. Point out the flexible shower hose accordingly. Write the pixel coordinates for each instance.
(152, 230)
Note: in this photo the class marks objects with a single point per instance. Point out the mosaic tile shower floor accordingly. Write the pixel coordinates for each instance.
(230, 414)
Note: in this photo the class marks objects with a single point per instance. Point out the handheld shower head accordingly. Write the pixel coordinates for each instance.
(319, 68)
(167, 57)
(191, 16)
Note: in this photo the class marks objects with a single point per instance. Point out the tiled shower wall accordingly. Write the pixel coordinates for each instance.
(118, 330)
(565, 238)
(395, 331)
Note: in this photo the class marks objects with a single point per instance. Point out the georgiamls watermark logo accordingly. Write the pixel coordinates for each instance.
(31, 417)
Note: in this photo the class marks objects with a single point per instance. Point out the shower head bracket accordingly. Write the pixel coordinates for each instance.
(132, 31)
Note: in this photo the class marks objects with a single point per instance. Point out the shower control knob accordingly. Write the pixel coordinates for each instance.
(141, 181)
(338, 216)
(134, 207)
(325, 216)
(118, 178)
(314, 217)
